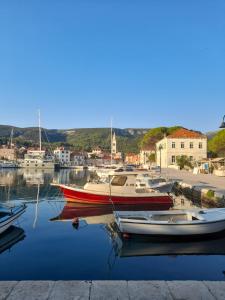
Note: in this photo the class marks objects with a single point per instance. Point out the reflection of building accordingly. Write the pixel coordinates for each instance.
(62, 155)
(37, 176)
(7, 178)
(182, 142)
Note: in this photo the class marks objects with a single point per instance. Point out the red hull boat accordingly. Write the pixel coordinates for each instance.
(121, 191)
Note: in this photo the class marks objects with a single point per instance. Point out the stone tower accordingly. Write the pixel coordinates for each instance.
(114, 151)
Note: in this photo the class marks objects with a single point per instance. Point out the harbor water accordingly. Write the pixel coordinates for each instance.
(47, 242)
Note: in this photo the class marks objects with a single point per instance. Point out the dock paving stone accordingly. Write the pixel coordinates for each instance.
(146, 290)
(217, 288)
(189, 290)
(5, 288)
(31, 290)
(70, 290)
(113, 290)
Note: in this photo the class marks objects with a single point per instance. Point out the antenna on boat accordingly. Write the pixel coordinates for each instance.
(39, 125)
(110, 195)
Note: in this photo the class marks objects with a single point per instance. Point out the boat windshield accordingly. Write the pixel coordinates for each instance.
(157, 180)
(119, 180)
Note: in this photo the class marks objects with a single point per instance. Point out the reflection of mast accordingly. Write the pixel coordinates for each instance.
(39, 125)
(36, 207)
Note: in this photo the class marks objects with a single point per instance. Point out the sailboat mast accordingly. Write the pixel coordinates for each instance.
(111, 142)
(39, 125)
(11, 138)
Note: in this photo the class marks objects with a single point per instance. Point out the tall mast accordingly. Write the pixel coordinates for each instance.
(111, 141)
(39, 125)
(11, 138)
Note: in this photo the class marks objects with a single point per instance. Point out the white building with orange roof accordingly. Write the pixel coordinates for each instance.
(184, 142)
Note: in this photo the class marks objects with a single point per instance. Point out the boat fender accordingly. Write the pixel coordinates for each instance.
(75, 223)
(126, 236)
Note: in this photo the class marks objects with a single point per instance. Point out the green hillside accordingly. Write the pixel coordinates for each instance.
(128, 140)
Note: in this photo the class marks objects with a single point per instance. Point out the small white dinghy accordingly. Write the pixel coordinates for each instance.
(171, 222)
(8, 214)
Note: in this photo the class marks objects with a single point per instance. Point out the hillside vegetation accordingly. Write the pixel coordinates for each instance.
(216, 145)
(83, 139)
(156, 134)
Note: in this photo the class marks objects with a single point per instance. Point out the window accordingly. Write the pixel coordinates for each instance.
(182, 144)
(173, 159)
(200, 145)
(191, 145)
(119, 180)
(173, 145)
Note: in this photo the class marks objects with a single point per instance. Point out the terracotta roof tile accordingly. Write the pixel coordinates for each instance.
(185, 133)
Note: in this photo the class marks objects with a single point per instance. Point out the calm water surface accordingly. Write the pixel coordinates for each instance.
(44, 244)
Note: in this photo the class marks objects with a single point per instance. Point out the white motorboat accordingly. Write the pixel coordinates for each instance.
(8, 164)
(171, 222)
(121, 189)
(157, 183)
(8, 214)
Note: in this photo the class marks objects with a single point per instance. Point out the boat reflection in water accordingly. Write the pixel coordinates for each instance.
(153, 246)
(11, 237)
(95, 214)
(140, 246)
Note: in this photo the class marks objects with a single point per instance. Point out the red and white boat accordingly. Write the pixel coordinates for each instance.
(121, 189)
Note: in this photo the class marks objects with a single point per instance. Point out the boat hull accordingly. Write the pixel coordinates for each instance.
(172, 229)
(4, 225)
(81, 196)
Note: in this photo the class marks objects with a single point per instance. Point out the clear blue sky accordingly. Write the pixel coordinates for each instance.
(146, 63)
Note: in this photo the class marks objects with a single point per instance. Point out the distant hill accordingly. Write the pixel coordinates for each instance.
(80, 138)
(211, 134)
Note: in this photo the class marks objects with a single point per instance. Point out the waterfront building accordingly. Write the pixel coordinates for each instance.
(132, 158)
(96, 152)
(78, 158)
(62, 155)
(182, 142)
(37, 159)
(145, 154)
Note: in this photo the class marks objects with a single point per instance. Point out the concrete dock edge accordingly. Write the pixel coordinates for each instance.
(116, 289)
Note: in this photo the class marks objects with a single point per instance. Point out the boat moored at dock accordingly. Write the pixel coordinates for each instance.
(121, 189)
(8, 214)
(172, 223)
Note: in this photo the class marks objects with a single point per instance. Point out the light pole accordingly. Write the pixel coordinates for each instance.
(223, 126)
(160, 162)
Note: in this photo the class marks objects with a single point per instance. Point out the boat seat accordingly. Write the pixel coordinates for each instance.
(4, 214)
